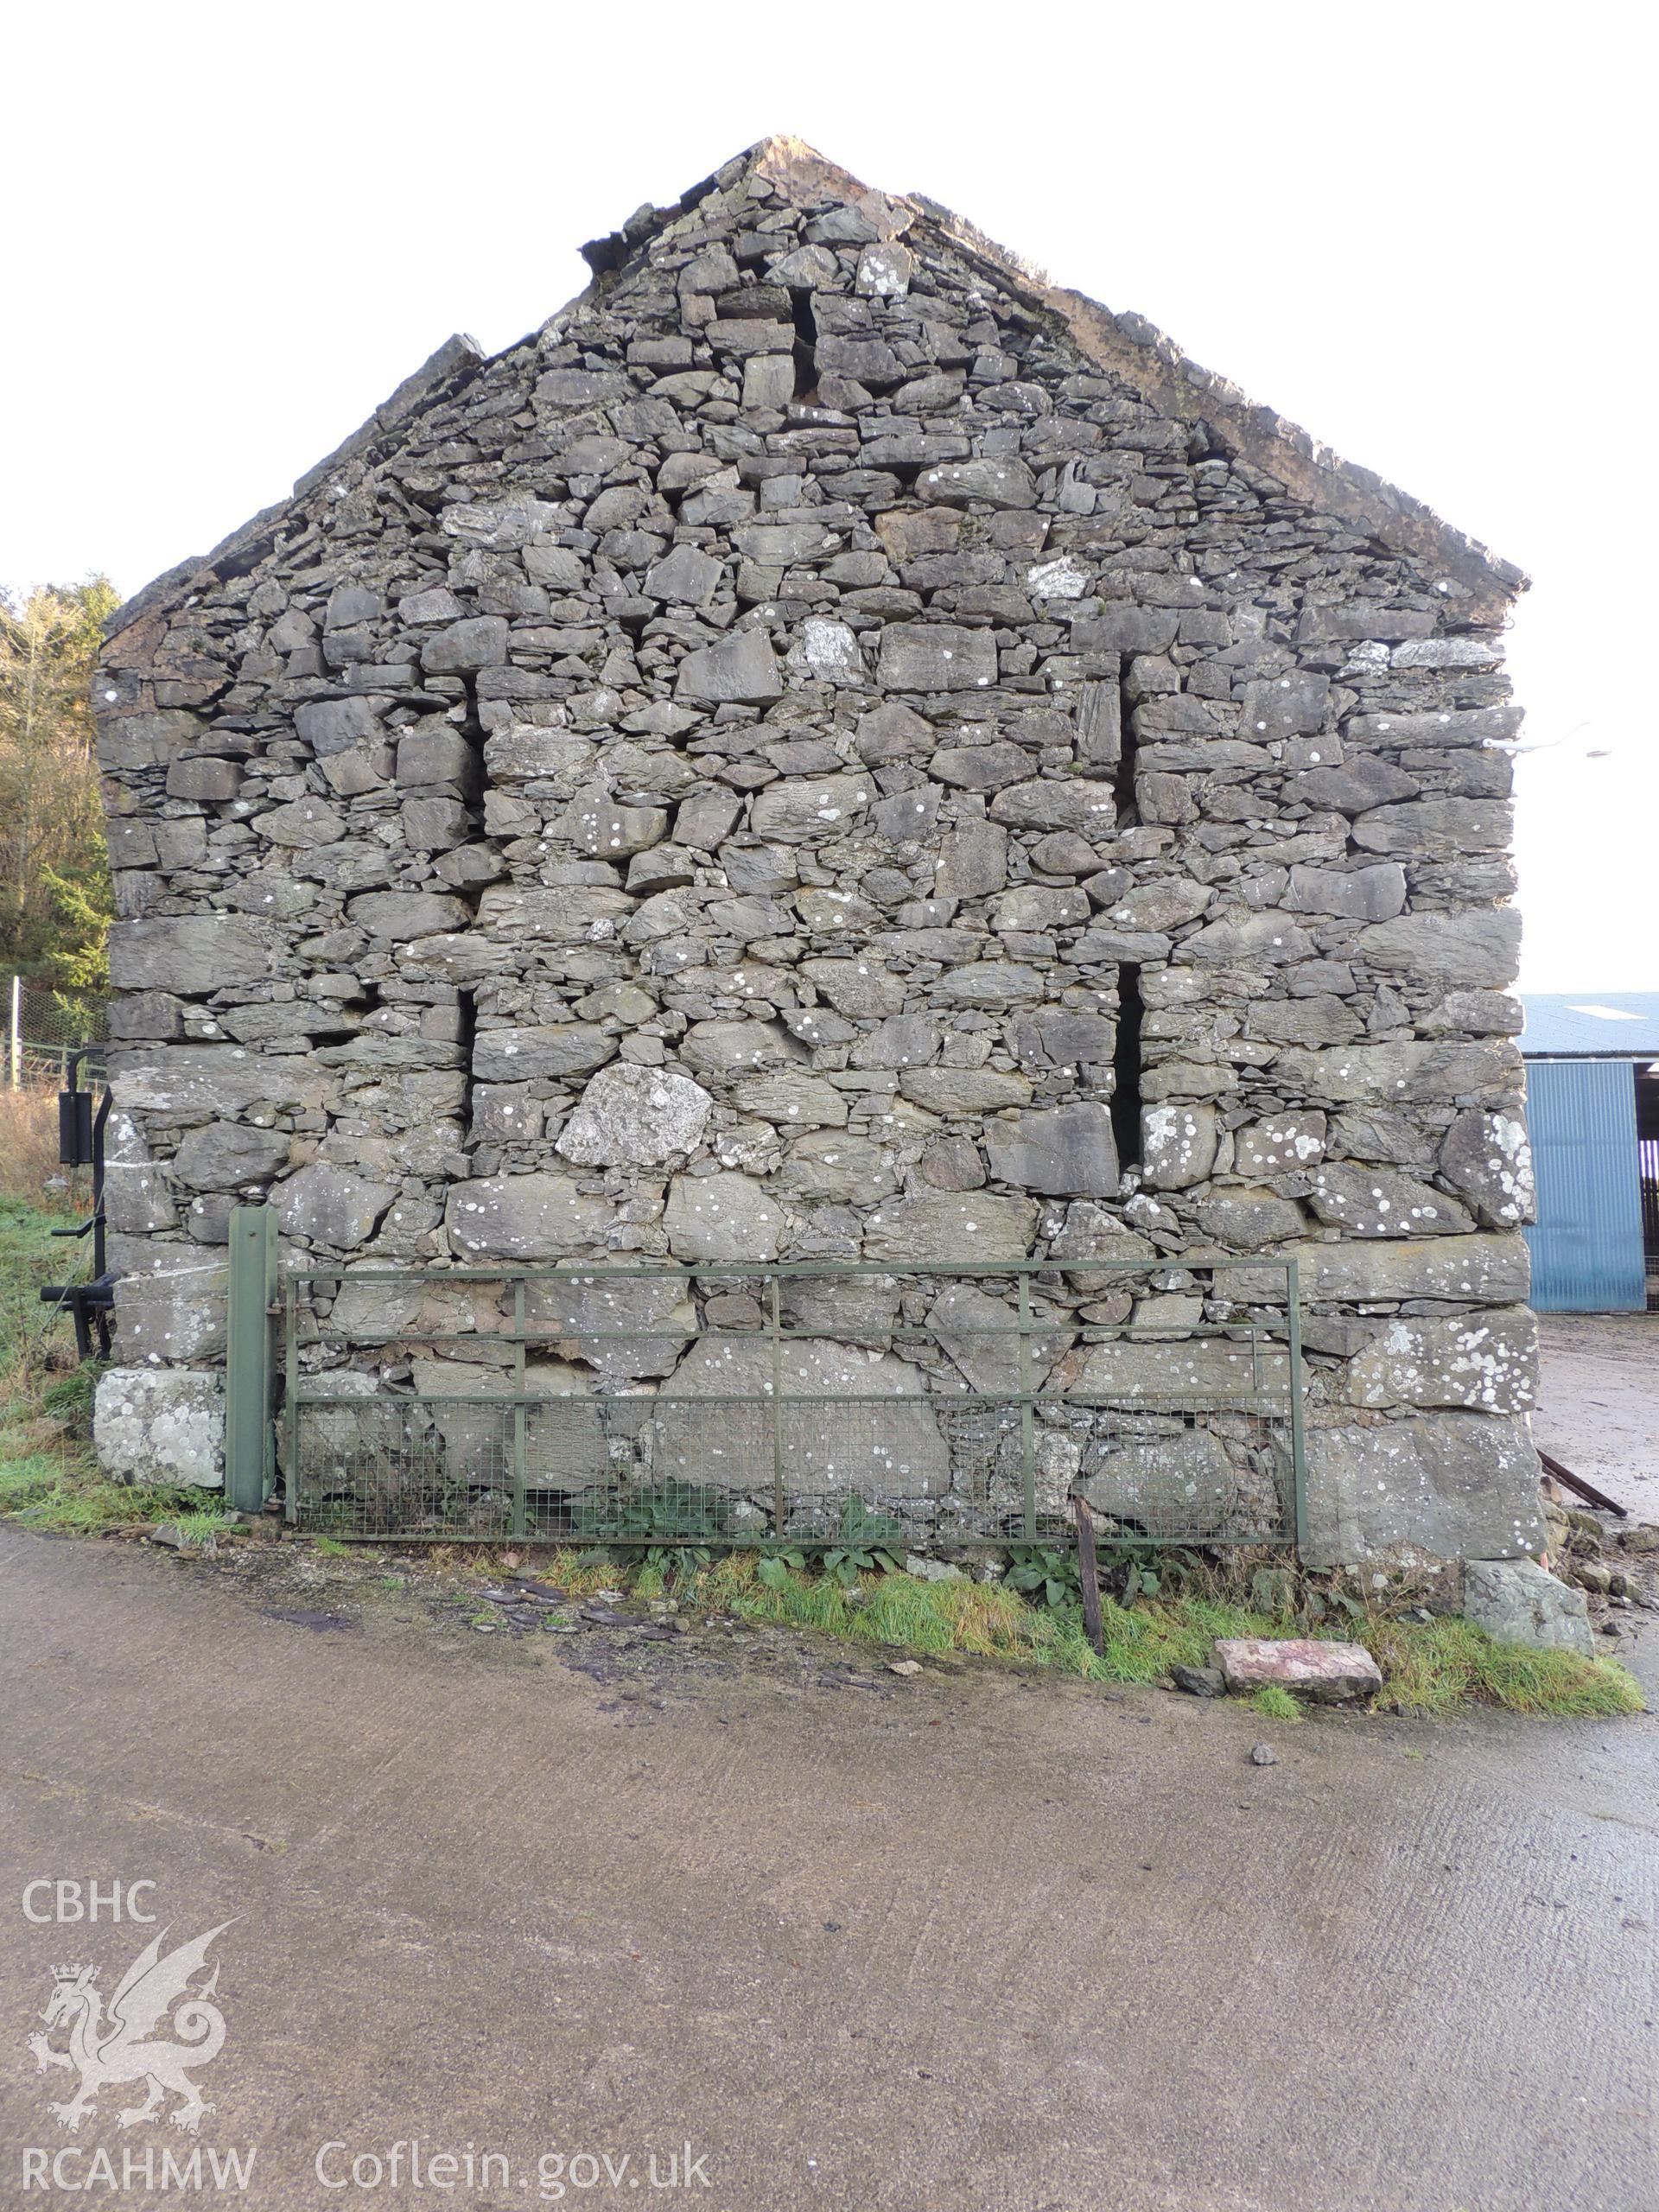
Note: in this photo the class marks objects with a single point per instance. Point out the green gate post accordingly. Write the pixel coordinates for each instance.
(520, 1435)
(1027, 1415)
(1298, 1441)
(779, 1506)
(248, 1371)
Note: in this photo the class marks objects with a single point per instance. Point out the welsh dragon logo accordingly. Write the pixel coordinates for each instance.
(123, 2046)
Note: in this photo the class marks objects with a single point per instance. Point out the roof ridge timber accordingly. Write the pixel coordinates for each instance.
(1126, 345)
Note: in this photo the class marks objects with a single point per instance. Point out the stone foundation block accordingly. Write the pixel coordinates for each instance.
(160, 1425)
(1457, 1484)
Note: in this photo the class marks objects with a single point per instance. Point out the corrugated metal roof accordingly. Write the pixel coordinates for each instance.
(1597, 1025)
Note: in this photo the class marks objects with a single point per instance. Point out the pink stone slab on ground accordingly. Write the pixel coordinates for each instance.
(1327, 1672)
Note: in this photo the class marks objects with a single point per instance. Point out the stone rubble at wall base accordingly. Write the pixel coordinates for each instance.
(691, 785)
(1518, 1601)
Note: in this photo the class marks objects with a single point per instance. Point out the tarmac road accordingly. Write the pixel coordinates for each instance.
(876, 1944)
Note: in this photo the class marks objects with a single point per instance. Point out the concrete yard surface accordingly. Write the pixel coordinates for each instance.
(1596, 1409)
(965, 1939)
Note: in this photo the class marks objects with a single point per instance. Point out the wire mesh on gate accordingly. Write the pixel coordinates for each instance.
(44, 1027)
(805, 1402)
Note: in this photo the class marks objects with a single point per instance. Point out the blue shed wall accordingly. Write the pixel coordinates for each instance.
(1587, 1244)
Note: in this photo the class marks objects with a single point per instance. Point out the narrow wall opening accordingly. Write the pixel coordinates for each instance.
(1126, 1068)
(1647, 1168)
(466, 1028)
(806, 345)
(1123, 781)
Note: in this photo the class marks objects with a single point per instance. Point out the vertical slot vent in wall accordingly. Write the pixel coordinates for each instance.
(1123, 782)
(806, 345)
(1126, 1068)
(466, 1023)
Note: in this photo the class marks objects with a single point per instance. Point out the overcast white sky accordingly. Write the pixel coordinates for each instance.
(1425, 232)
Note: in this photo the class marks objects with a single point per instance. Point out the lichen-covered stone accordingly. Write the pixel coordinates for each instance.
(524, 1217)
(635, 1116)
(1488, 1159)
(901, 1453)
(1461, 1485)
(1378, 1202)
(1243, 1221)
(1177, 1146)
(1068, 1153)
(563, 1049)
(1281, 1144)
(1485, 1361)
(1461, 1271)
(228, 1156)
(623, 1327)
(984, 1336)
(939, 1225)
(1169, 1486)
(1520, 1602)
(742, 667)
(1483, 949)
(161, 1425)
(1173, 1374)
(331, 1207)
(723, 1216)
(169, 1301)
(192, 953)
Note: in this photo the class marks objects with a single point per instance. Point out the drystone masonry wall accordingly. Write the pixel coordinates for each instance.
(754, 770)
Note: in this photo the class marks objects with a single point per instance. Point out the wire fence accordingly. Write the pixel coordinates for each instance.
(44, 1027)
(803, 1403)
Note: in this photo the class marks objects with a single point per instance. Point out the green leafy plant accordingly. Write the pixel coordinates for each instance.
(776, 1563)
(663, 1510)
(678, 1562)
(864, 1544)
(1043, 1571)
(1125, 1565)
(1313, 1606)
(1049, 1574)
(70, 1397)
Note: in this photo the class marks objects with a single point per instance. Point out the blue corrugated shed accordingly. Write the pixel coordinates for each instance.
(1587, 1244)
(1591, 1024)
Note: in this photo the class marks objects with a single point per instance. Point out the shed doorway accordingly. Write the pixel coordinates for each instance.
(1647, 1156)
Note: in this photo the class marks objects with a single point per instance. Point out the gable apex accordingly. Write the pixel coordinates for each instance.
(1124, 343)
(784, 170)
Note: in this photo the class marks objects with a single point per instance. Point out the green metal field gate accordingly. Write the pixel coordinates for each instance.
(792, 1401)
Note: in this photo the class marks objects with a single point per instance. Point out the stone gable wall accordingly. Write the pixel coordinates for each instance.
(662, 791)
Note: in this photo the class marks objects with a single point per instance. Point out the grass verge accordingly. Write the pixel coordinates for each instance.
(54, 1492)
(45, 1398)
(1439, 1666)
(48, 1479)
